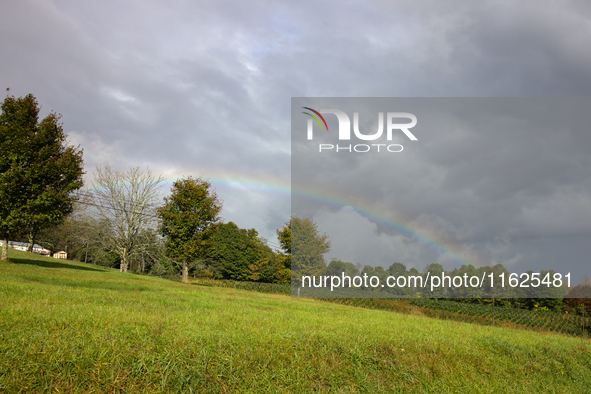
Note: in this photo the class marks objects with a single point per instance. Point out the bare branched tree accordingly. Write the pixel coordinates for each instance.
(125, 202)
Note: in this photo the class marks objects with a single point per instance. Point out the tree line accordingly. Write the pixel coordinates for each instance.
(120, 221)
(533, 298)
(306, 249)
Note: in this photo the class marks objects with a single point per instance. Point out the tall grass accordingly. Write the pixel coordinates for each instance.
(541, 321)
(70, 327)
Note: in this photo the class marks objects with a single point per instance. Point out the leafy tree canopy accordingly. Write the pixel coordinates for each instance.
(239, 252)
(307, 247)
(188, 219)
(338, 267)
(39, 171)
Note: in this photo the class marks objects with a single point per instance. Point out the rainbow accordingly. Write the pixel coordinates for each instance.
(388, 219)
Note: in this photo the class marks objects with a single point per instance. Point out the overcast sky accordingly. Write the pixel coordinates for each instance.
(204, 88)
(487, 181)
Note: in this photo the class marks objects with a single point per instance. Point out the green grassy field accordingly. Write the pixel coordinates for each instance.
(540, 321)
(71, 327)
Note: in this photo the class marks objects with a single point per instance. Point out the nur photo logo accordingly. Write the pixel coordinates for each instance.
(393, 124)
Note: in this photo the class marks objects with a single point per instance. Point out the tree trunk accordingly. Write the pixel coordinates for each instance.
(5, 250)
(31, 241)
(123, 266)
(185, 272)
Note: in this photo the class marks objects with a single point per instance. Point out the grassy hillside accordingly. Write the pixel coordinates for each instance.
(541, 321)
(71, 327)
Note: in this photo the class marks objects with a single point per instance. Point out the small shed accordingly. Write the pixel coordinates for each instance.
(60, 255)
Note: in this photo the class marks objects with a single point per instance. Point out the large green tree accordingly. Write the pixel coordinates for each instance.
(188, 219)
(240, 253)
(39, 171)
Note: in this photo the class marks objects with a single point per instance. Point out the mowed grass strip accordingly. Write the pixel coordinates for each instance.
(72, 327)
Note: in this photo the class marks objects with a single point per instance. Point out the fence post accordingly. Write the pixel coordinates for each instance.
(493, 311)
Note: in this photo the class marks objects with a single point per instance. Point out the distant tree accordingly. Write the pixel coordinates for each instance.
(579, 297)
(241, 254)
(188, 220)
(152, 251)
(284, 236)
(125, 202)
(268, 269)
(397, 270)
(65, 236)
(83, 238)
(466, 292)
(338, 267)
(414, 290)
(271, 267)
(88, 234)
(434, 270)
(284, 257)
(306, 246)
(370, 271)
(38, 170)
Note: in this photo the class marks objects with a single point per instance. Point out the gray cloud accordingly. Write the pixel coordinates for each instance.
(486, 177)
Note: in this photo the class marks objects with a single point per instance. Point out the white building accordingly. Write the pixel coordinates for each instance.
(25, 246)
(60, 255)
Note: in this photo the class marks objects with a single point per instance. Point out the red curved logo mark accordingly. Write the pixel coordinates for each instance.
(315, 118)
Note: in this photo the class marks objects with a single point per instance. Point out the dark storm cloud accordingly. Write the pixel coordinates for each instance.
(489, 174)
